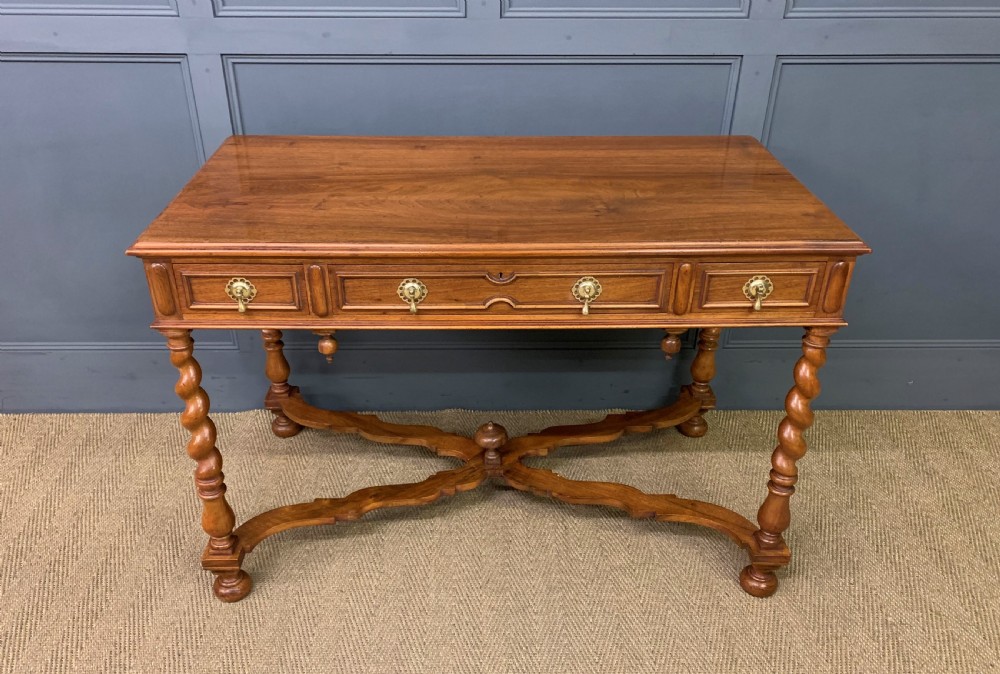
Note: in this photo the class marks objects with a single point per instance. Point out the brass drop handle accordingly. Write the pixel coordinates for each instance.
(412, 291)
(586, 290)
(757, 289)
(242, 291)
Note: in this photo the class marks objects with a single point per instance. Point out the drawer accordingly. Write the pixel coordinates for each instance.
(531, 289)
(794, 287)
(278, 289)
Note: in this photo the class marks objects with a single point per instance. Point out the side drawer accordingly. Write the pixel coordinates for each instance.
(278, 289)
(794, 287)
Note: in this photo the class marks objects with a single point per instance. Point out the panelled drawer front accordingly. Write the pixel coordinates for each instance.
(279, 289)
(795, 287)
(367, 289)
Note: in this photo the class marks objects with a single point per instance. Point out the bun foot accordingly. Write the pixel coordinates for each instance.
(284, 427)
(230, 587)
(758, 583)
(695, 427)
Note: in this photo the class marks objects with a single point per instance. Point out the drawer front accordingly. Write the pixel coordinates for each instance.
(367, 289)
(651, 292)
(794, 287)
(278, 289)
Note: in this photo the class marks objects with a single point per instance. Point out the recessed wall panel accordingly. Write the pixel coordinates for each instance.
(482, 96)
(90, 7)
(92, 149)
(907, 152)
(625, 8)
(341, 8)
(891, 8)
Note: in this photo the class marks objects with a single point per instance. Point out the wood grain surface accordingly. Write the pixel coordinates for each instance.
(475, 233)
(509, 195)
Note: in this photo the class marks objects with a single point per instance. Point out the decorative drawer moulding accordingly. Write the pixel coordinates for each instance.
(78, 8)
(341, 8)
(630, 9)
(890, 9)
(494, 341)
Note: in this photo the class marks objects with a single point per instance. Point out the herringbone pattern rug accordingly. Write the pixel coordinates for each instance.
(895, 534)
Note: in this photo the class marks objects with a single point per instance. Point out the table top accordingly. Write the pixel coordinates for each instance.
(501, 196)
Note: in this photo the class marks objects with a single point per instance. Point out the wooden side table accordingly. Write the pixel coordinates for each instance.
(327, 234)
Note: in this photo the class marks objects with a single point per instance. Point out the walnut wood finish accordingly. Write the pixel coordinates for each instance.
(775, 514)
(610, 428)
(372, 428)
(662, 507)
(702, 372)
(356, 504)
(491, 453)
(327, 344)
(223, 555)
(161, 288)
(504, 227)
(498, 231)
(491, 437)
(277, 370)
(639, 292)
(671, 343)
(530, 286)
(512, 196)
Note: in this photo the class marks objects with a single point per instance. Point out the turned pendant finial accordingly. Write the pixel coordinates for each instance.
(671, 343)
(491, 437)
(327, 345)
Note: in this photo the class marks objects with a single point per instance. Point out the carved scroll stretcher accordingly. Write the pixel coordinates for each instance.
(511, 470)
(356, 504)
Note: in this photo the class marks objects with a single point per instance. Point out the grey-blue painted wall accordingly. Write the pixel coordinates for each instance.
(888, 109)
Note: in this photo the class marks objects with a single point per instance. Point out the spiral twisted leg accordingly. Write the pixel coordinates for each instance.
(702, 371)
(223, 555)
(774, 516)
(277, 371)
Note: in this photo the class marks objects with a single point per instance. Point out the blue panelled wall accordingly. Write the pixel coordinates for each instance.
(889, 110)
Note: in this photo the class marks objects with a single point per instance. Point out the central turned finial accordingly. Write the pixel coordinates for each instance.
(491, 437)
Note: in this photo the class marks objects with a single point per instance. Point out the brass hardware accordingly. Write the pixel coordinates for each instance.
(412, 291)
(757, 289)
(242, 291)
(586, 290)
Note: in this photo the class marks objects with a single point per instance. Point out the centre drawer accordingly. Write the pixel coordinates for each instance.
(477, 289)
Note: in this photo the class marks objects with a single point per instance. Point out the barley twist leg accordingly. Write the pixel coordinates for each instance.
(774, 515)
(223, 555)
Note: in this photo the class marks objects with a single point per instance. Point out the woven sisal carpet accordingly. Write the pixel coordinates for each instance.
(895, 536)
